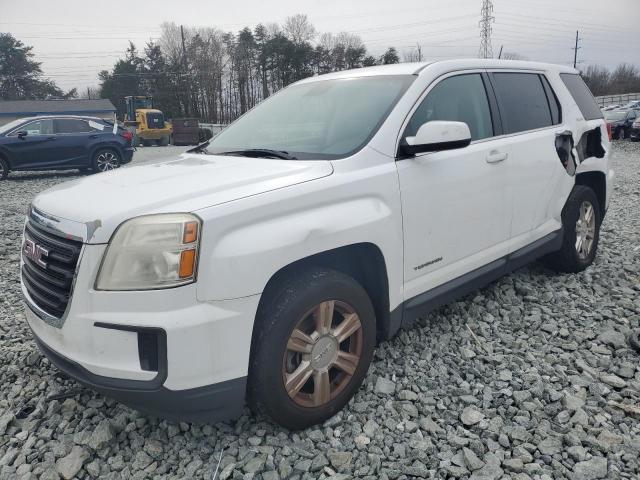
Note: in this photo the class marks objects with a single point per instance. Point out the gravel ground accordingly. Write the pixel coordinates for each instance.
(529, 378)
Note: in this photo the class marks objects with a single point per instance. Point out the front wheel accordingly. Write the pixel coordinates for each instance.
(105, 159)
(312, 347)
(4, 168)
(581, 221)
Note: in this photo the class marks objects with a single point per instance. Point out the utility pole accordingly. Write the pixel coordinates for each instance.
(575, 50)
(486, 51)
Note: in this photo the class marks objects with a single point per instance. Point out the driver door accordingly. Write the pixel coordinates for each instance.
(36, 149)
(455, 203)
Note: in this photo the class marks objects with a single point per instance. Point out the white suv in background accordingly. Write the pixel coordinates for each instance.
(265, 264)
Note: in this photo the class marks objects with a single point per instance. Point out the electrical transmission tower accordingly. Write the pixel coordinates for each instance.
(486, 51)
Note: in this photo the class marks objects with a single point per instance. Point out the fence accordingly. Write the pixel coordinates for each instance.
(620, 99)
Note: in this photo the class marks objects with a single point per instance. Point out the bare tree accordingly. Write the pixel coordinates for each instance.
(413, 55)
(299, 29)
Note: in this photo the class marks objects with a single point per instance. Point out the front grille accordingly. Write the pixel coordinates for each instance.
(49, 285)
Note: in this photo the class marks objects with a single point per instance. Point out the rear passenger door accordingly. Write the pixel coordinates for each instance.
(73, 136)
(531, 119)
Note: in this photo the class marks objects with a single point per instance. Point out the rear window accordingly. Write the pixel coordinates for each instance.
(582, 95)
(523, 101)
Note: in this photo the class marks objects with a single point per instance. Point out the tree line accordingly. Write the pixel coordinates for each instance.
(217, 76)
(625, 78)
(21, 77)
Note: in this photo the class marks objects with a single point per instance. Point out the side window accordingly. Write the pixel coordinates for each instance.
(39, 127)
(523, 101)
(462, 98)
(71, 125)
(582, 95)
(554, 103)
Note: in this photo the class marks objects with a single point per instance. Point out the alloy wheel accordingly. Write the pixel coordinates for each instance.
(585, 230)
(107, 161)
(322, 353)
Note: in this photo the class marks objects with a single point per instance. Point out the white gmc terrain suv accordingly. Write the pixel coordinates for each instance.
(263, 266)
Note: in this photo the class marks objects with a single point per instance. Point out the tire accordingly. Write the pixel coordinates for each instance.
(4, 168)
(575, 255)
(147, 143)
(164, 141)
(296, 303)
(105, 159)
(621, 134)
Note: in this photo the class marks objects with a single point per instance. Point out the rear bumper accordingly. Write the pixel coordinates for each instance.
(127, 154)
(211, 403)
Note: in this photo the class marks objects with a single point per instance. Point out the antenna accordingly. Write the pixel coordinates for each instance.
(486, 51)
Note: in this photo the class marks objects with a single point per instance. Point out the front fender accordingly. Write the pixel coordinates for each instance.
(244, 247)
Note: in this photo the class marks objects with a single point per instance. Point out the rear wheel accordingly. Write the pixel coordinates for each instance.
(163, 142)
(4, 168)
(581, 222)
(313, 344)
(147, 143)
(105, 159)
(621, 134)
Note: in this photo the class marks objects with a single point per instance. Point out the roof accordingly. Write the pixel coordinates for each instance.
(43, 107)
(453, 64)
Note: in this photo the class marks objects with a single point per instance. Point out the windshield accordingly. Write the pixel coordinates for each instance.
(10, 126)
(327, 119)
(615, 116)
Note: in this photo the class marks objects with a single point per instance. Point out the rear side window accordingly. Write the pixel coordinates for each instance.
(462, 98)
(69, 125)
(554, 103)
(523, 101)
(582, 95)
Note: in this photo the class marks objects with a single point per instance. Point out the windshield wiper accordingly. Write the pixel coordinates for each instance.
(201, 148)
(259, 152)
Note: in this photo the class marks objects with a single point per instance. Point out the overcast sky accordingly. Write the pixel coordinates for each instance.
(75, 39)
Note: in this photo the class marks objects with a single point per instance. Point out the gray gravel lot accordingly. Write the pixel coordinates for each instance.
(529, 378)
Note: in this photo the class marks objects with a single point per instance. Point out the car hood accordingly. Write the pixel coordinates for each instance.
(103, 201)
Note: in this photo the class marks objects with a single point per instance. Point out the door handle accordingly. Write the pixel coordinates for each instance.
(50, 138)
(93, 136)
(496, 157)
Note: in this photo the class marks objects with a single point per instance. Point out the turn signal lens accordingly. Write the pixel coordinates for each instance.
(187, 263)
(190, 232)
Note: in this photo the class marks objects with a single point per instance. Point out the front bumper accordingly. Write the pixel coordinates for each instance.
(197, 370)
(211, 403)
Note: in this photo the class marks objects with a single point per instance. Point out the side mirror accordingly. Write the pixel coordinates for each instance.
(438, 135)
(22, 133)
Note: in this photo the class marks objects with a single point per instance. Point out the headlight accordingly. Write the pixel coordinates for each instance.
(151, 252)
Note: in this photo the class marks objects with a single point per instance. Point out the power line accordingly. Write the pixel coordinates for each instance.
(486, 51)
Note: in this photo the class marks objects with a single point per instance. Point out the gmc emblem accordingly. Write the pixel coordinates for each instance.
(35, 252)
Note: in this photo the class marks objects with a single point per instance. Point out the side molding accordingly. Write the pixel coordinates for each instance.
(406, 313)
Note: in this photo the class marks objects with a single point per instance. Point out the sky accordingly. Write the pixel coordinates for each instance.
(75, 39)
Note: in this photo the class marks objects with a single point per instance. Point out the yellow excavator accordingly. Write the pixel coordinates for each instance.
(147, 124)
